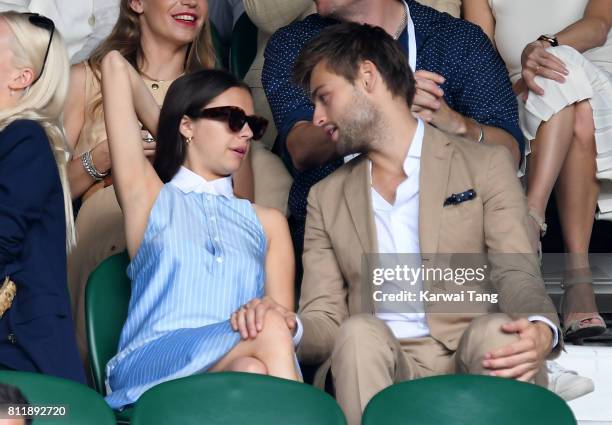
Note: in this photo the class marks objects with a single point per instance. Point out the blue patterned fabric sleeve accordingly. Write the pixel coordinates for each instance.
(480, 87)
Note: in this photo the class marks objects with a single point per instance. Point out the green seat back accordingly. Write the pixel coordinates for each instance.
(106, 298)
(467, 400)
(244, 46)
(230, 398)
(84, 406)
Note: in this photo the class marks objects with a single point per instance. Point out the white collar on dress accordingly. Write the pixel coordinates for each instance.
(188, 181)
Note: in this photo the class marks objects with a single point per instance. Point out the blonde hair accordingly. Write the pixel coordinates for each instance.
(125, 38)
(43, 102)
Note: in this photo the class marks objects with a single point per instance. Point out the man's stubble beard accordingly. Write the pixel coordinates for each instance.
(360, 128)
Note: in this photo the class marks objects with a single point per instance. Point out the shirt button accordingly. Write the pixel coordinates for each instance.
(219, 259)
(208, 197)
(12, 338)
(216, 238)
(213, 218)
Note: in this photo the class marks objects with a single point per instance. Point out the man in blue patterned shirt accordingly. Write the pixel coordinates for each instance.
(462, 87)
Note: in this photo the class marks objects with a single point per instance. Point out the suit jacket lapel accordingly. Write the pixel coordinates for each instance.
(433, 181)
(359, 200)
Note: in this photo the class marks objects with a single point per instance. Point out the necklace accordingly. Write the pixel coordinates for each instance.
(154, 82)
(402, 26)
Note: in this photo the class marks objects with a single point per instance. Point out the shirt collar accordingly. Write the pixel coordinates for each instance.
(414, 152)
(413, 158)
(188, 181)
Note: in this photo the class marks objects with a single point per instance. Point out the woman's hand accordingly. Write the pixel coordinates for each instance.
(249, 319)
(535, 60)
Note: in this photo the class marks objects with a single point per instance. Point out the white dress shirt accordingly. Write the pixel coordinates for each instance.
(397, 232)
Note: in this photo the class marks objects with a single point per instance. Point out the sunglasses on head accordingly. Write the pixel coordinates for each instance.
(44, 23)
(235, 118)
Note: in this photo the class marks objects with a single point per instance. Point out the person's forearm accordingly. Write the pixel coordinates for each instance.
(146, 108)
(309, 146)
(80, 180)
(470, 129)
(586, 34)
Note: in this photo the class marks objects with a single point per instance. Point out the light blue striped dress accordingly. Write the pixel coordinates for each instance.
(201, 258)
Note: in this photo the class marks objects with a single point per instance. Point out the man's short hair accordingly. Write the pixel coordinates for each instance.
(344, 46)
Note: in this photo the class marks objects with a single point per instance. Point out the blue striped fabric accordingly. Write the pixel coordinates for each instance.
(201, 258)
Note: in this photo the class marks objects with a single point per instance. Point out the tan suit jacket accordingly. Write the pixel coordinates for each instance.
(340, 229)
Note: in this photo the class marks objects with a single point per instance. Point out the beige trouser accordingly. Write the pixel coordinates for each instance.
(368, 358)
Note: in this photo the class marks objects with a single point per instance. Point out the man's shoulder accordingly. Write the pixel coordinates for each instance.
(475, 155)
(299, 32)
(430, 22)
(333, 184)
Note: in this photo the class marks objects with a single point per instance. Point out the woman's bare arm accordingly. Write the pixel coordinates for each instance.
(135, 180)
(479, 12)
(74, 119)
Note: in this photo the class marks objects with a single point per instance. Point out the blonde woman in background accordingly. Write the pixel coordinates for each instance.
(36, 224)
(162, 39)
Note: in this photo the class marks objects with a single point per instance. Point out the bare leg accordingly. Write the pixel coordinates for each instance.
(273, 347)
(548, 153)
(576, 192)
(247, 364)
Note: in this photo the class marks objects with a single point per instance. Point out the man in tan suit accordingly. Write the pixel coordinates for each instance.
(414, 189)
(408, 192)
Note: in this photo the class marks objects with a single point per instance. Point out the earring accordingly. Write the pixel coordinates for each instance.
(11, 92)
(189, 139)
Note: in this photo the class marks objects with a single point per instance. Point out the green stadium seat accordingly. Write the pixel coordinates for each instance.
(230, 398)
(244, 46)
(107, 297)
(83, 405)
(467, 400)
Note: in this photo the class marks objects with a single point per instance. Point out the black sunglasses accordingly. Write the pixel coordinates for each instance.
(44, 23)
(235, 118)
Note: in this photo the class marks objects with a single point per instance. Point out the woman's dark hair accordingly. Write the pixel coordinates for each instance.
(187, 94)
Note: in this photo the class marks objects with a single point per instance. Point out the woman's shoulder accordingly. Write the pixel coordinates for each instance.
(20, 131)
(271, 219)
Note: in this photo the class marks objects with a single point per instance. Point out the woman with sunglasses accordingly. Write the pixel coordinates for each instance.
(199, 254)
(162, 39)
(36, 225)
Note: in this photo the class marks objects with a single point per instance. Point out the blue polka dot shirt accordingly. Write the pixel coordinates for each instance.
(476, 86)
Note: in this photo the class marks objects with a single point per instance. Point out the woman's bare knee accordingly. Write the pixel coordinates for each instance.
(584, 127)
(275, 330)
(249, 365)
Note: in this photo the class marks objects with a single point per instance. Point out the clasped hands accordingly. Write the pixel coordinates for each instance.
(249, 319)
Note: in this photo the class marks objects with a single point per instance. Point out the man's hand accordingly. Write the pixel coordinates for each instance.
(430, 106)
(535, 60)
(522, 359)
(249, 319)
